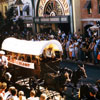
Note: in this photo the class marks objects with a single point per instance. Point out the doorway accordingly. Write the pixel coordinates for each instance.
(64, 27)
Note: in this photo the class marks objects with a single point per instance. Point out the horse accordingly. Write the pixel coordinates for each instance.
(56, 81)
(78, 74)
(75, 76)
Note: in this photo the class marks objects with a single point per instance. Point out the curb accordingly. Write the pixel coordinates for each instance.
(80, 62)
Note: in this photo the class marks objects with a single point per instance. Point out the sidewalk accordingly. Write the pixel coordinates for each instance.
(79, 62)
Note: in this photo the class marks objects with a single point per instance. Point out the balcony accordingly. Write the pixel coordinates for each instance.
(27, 19)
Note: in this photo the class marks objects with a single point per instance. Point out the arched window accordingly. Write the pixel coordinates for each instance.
(53, 8)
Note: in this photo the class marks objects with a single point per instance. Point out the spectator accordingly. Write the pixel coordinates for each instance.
(1, 98)
(95, 52)
(98, 56)
(3, 87)
(76, 49)
(8, 93)
(83, 51)
(92, 93)
(14, 94)
(32, 96)
(63, 35)
(67, 48)
(21, 95)
(43, 97)
(91, 46)
(80, 51)
(3, 64)
(70, 49)
(73, 49)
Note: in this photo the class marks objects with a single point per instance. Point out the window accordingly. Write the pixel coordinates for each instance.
(88, 6)
(21, 11)
(28, 12)
(89, 10)
(99, 6)
(26, 9)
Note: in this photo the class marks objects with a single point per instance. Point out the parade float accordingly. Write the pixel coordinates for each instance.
(31, 58)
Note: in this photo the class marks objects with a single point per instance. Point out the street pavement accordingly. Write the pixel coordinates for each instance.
(93, 73)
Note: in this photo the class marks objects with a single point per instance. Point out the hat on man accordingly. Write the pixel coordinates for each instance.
(2, 52)
(52, 36)
(8, 76)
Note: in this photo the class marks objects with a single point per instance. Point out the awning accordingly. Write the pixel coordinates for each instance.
(94, 27)
(26, 8)
(53, 19)
(87, 4)
(30, 47)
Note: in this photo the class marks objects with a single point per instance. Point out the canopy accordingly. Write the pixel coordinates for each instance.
(29, 47)
(94, 27)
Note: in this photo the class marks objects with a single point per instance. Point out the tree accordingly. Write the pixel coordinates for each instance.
(20, 24)
(2, 22)
(9, 18)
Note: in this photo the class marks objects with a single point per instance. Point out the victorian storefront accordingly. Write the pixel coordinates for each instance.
(52, 14)
(90, 14)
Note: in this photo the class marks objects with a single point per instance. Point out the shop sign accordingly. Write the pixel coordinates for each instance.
(64, 19)
(44, 19)
(54, 19)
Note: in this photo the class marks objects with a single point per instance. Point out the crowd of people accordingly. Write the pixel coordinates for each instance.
(79, 47)
(12, 93)
(76, 47)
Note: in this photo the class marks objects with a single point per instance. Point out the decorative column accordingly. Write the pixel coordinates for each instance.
(33, 16)
(19, 5)
(71, 17)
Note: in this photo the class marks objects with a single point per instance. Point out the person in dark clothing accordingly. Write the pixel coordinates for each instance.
(92, 93)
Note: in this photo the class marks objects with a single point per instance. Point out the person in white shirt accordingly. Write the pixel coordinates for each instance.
(3, 59)
(67, 48)
(32, 96)
(59, 32)
(21, 95)
(8, 93)
(3, 64)
(76, 49)
(14, 95)
(70, 49)
(50, 53)
(63, 35)
(3, 87)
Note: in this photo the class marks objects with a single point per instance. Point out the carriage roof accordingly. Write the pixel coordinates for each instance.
(30, 47)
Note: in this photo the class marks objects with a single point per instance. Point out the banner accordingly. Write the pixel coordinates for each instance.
(22, 64)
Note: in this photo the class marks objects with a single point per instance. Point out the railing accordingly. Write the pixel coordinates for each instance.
(26, 18)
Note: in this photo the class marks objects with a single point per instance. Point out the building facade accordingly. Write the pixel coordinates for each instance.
(3, 6)
(90, 13)
(76, 16)
(52, 14)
